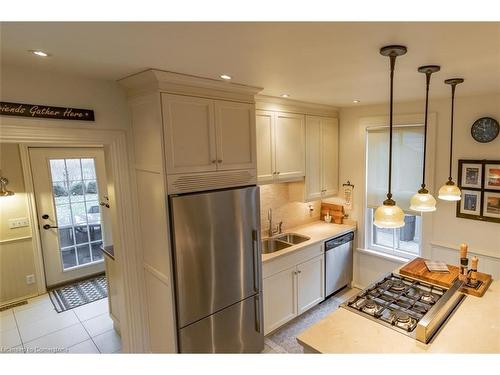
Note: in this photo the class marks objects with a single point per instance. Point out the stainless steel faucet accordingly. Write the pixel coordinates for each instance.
(270, 231)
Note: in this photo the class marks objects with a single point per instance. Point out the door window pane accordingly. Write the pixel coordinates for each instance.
(81, 234)
(96, 251)
(83, 254)
(73, 169)
(88, 169)
(69, 258)
(66, 237)
(60, 190)
(76, 199)
(95, 232)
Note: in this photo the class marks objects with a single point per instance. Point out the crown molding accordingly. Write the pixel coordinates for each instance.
(272, 103)
(154, 80)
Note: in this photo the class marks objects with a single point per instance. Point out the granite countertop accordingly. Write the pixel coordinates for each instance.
(474, 327)
(318, 231)
(109, 251)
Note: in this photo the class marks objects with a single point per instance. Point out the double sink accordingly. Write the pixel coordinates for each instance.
(282, 241)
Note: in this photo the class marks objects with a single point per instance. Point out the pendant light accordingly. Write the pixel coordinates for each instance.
(449, 191)
(423, 201)
(389, 215)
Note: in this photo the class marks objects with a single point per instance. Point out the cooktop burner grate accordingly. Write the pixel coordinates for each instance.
(398, 301)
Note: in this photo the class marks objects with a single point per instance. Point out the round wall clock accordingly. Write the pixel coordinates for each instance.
(485, 129)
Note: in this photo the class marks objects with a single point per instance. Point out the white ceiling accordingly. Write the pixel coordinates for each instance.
(330, 63)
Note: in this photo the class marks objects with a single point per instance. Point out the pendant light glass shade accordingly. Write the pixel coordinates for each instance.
(423, 201)
(389, 215)
(450, 192)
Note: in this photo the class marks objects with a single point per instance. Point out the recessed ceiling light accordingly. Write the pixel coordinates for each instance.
(285, 95)
(225, 76)
(356, 101)
(39, 53)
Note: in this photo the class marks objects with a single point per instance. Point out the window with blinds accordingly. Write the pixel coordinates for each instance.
(407, 159)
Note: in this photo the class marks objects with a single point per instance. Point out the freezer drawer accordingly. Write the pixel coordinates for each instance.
(236, 329)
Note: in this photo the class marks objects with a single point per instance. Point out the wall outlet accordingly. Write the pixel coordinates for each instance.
(18, 222)
(30, 279)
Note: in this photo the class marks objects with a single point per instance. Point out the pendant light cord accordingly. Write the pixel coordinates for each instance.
(451, 135)
(393, 63)
(427, 82)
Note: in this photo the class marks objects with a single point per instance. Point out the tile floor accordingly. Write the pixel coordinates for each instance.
(283, 340)
(38, 328)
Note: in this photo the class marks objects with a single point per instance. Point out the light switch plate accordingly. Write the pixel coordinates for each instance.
(18, 222)
(30, 279)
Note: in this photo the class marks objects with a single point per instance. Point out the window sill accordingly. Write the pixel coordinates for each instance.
(390, 257)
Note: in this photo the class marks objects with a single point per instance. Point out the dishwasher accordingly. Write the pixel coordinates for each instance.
(338, 263)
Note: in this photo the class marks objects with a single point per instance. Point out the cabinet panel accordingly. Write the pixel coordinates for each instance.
(235, 130)
(280, 303)
(329, 147)
(189, 134)
(265, 146)
(313, 185)
(290, 146)
(310, 286)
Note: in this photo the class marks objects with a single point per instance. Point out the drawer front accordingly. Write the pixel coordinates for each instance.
(284, 262)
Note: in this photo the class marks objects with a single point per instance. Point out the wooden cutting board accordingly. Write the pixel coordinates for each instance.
(418, 270)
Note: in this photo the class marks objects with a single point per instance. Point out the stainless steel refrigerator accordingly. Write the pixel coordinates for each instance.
(217, 268)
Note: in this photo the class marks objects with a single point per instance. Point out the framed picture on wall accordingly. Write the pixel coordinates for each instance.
(479, 181)
(491, 204)
(470, 204)
(471, 175)
(492, 176)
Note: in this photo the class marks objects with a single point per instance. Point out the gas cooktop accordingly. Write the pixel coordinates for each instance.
(409, 306)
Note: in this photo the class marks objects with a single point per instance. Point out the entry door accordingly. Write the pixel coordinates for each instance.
(69, 185)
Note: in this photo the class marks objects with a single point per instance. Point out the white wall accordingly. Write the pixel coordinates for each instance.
(446, 231)
(33, 86)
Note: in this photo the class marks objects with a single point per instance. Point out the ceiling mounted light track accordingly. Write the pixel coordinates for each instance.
(449, 191)
(423, 201)
(389, 215)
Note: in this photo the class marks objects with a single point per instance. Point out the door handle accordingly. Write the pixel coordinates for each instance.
(48, 226)
(257, 313)
(256, 261)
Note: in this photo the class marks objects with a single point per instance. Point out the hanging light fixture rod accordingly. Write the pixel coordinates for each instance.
(453, 82)
(392, 52)
(428, 70)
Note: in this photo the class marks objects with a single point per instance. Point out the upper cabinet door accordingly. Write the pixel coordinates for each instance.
(265, 146)
(235, 130)
(313, 183)
(189, 134)
(330, 155)
(290, 146)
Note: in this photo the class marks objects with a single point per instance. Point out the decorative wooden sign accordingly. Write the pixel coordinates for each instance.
(45, 111)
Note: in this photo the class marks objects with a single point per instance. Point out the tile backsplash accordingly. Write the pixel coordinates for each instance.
(277, 197)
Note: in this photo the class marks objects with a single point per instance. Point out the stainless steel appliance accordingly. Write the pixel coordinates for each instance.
(338, 263)
(217, 269)
(412, 307)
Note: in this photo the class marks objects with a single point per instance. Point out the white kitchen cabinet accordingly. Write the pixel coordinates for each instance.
(292, 285)
(310, 284)
(235, 132)
(321, 157)
(280, 146)
(280, 299)
(205, 135)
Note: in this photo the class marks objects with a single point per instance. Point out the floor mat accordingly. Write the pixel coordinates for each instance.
(80, 293)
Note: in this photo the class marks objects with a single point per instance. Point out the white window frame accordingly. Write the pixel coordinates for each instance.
(425, 228)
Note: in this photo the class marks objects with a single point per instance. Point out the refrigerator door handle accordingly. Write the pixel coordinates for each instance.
(256, 260)
(257, 313)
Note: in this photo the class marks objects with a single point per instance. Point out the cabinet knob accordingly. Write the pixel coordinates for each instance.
(277, 172)
(214, 161)
(219, 161)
